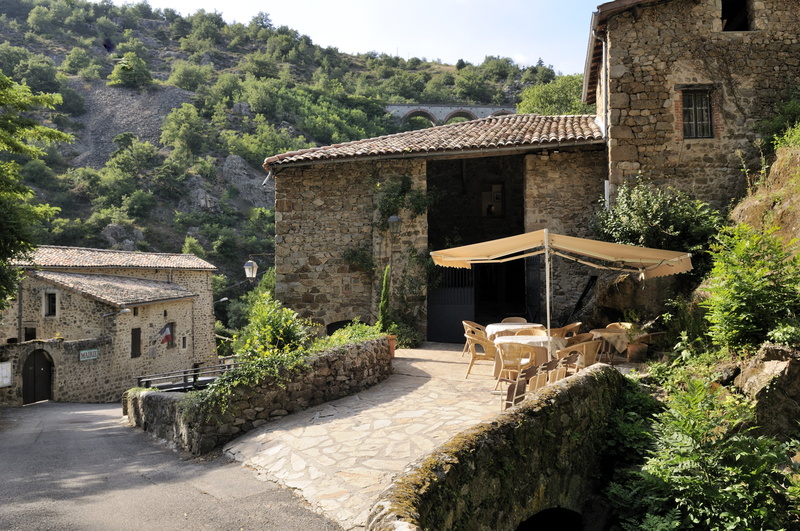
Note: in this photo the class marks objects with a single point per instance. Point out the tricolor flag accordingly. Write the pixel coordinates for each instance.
(166, 334)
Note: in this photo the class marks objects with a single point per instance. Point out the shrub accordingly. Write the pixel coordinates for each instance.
(271, 328)
(75, 61)
(189, 76)
(131, 72)
(754, 287)
(645, 215)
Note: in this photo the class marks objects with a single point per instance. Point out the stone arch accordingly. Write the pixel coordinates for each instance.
(460, 113)
(37, 376)
(421, 113)
(340, 320)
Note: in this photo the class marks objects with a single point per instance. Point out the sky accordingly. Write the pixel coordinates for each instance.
(447, 30)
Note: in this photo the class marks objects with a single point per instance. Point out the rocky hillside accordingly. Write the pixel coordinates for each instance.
(775, 200)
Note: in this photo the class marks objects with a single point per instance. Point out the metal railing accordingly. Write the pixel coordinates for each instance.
(194, 378)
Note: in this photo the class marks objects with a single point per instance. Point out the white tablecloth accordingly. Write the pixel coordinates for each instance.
(618, 337)
(537, 341)
(494, 328)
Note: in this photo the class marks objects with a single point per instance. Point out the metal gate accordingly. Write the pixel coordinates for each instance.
(451, 302)
(37, 377)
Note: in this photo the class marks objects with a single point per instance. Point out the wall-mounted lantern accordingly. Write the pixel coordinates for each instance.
(394, 224)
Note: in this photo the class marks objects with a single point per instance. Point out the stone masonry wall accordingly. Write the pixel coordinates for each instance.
(656, 49)
(561, 190)
(546, 452)
(325, 210)
(332, 374)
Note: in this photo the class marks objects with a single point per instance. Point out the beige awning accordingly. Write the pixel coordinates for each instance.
(647, 262)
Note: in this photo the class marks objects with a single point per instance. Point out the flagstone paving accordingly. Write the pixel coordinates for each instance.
(340, 455)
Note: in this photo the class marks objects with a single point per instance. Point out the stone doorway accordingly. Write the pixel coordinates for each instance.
(37, 376)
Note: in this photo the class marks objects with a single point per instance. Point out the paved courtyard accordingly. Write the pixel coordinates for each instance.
(339, 456)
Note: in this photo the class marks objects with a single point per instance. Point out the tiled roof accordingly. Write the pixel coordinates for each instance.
(488, 135)
(114, 290)
(50, 256)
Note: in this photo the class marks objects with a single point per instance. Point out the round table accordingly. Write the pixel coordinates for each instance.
(617, 337)
(494, 328)
(552, 344)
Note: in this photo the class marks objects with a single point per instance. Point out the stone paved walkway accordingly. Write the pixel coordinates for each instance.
(339, 456)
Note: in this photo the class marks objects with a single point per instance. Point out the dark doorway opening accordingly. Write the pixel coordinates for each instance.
(735, 15)
(37, 377)
(500, 291)
(556, 518)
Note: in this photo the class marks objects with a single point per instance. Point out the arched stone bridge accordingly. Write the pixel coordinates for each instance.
(441, 114)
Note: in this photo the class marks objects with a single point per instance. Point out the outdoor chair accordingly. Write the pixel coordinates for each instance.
(579, 338)
(480, 349)
(513, 358)
(542, 375)
(572, 329)
(587, 351)
(568, 365)
(518, 387)
(531, 331)
(619, 324)
(472, 328)
(514, 320)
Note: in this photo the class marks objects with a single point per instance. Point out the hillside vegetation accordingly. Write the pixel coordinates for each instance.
(172, 117)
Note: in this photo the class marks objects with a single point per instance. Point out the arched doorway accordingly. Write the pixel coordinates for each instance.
(37, 377)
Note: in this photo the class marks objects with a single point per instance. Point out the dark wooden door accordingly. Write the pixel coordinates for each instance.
(36, 377)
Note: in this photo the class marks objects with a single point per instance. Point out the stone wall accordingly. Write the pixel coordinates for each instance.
(501, 472)
(332, 374)
(323, 211)
(657, 48)
(562, 188)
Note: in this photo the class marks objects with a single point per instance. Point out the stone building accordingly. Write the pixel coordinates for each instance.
(86, 322)
(680, 86)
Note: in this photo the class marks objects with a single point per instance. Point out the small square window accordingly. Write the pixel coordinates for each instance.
(697, 114)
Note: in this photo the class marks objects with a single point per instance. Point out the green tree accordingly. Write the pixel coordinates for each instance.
(189, 76)
(131, 72)
(75, 61)
(562, 96)
(184, 126)
(18, 135)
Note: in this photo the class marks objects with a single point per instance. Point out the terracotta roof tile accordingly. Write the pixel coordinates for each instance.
(114, 290)
(50, 256)
(493, 133)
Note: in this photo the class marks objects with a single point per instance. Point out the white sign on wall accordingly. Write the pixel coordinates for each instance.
(90, 354)
(5, 374)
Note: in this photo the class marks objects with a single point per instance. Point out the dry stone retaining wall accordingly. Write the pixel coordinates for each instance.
(544, 453)
(331, 374)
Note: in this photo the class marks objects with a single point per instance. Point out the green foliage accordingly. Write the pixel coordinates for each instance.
(396, 194)
(189, 76)
(184, 126)
(75, 61)
(645, 215)
(561, 96)
(790, 138)
(19, 218)
(384, 319)
(271, 328)
(706, 471)
(360, 258)
(38, 72)
(192, 246)
(131, 72)
(754, 287)
(787, 114)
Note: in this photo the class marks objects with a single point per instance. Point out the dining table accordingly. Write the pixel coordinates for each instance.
(616, 337)
(493, 329)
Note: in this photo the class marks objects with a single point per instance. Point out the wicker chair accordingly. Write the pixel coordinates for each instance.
(472, 328)
(514, 320)
(487, 351)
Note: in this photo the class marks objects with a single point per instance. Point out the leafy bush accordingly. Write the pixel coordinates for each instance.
(561, 96)
(131, 72)
(645, 215)
(790, 138)
(272, 328)
(754, 287)
(787, 114)
(189, 76)
(706, 471)
(75, 61)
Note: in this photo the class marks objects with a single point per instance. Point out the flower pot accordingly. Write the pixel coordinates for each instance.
(392, 341)
(637, 352)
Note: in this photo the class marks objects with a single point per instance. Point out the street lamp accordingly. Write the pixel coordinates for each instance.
(250, 270)
(223, 299)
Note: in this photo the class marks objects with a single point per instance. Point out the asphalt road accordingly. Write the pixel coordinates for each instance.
(80, 467)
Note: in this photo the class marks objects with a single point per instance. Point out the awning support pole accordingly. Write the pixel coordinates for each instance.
(547, 287)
